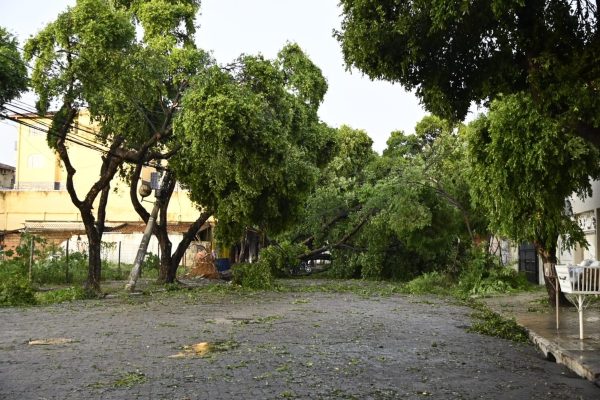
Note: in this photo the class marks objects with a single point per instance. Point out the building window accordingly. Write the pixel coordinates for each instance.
(35, 132)
(36, 161)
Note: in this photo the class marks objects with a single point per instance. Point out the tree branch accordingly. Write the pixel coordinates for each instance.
(188, 236)
(343, 240)
(137, 205)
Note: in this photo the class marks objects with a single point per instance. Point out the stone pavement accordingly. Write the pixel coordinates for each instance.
(269, 345)
(531, 311)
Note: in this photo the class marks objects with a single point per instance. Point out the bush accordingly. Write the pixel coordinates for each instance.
(53, 270)
(484, 275)
(282, 257)
(253, 276)
(62, 295)
(152, 262)
(430, 282)
(16, 291)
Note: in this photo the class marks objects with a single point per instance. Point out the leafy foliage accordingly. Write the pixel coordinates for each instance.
(252, 140)
(493, 324)
(396, 216)
(15, 290)
(430, 282)
(257, 275)
(482, 275)
(281, 257)
(13, 73)
(63, 295)
(455, 53)
(524, 166)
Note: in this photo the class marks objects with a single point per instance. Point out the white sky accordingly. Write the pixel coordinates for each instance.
(232, 27)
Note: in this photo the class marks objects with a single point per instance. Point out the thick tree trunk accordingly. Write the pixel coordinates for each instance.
(166, 259)
(94, 254)
(95, 264)
(549, 257)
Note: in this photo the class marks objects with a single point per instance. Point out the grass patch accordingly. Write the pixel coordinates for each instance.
(61, 295)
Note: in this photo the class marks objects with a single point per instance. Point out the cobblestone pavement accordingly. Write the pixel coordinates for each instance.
(269, 346)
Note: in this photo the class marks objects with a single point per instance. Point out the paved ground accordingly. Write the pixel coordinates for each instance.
(531, 311)
(269, 346)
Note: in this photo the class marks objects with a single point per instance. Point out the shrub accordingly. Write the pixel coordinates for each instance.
(430, 282)
(483, 275)
(62, 295)
(152, 262)
(253, 276)
(16, 291)
(280, 258)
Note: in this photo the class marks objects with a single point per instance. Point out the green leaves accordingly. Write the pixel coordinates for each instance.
(13, 73)
(524, 166)
(455, 53)
(250, 142)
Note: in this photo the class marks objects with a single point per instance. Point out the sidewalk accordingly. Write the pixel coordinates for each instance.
(531, 311)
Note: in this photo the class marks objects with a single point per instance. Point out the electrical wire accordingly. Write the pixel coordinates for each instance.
(72, 135)
(76, 139)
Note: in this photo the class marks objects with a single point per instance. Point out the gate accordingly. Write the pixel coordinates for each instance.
(528, 262)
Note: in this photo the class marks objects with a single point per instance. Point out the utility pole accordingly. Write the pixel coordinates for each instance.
(141, 253)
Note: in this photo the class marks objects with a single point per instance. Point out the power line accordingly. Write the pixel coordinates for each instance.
(73, 138)
(40, 125)
(73, 128)
(90, 142)
(79, 139)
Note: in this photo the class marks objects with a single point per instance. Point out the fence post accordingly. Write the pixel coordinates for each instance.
(31, 258)
(119, 261)
(67, 261)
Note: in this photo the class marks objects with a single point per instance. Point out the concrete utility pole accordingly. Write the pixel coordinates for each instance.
(141, 253)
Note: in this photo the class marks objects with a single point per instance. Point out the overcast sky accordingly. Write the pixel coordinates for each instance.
(231, 27)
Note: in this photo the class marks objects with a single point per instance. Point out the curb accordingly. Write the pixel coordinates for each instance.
(554, 352)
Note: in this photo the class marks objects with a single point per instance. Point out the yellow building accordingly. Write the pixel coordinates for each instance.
(40, 201)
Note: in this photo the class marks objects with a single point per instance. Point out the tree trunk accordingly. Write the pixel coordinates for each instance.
(94, 254)
(185, 243)
(167, 270)
(165, 258)
(549, 256)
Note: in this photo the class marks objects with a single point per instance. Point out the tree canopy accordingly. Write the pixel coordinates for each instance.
(391, 216)
(90, 57)
(13, 73)
(454, 53)
(252, 140)
(523, 168)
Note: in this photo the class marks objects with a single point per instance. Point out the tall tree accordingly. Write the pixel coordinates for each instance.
(386, 217)
(458, 52)
(253, 141)
(80, 62)
(523, 167)
(13, 73)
